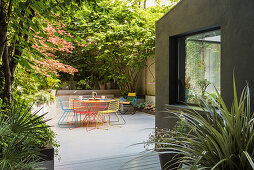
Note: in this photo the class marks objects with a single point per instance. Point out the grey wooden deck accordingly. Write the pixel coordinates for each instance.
(122, 162)
(113, 149)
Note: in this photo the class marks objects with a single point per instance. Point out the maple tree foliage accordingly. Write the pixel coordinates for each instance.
(20, 22)
(49, 46)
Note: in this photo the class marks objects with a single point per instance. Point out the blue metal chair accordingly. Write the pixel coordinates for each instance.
(130, 100)
(65, 113)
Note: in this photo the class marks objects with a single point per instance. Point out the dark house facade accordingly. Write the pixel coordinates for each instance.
(225, 30)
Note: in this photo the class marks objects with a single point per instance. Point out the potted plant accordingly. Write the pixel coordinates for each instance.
(219, 138)
(102, 85)
(43, 98)
(108, 85)
(169, 159)
(25, 138)
(203, 84)
(103, 79)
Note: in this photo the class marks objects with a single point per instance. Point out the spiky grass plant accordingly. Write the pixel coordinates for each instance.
(22, 134)
(218, 138)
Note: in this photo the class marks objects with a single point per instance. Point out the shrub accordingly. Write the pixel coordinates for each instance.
(142, 105)
(44, 97)
(84, 84)
(22, 134)
(219, 138)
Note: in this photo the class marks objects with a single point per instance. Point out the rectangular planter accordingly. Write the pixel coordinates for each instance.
(169, 161)
(145, 111)
(47, 157)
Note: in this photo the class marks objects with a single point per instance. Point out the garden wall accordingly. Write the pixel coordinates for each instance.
(115, 93)
(146, 82)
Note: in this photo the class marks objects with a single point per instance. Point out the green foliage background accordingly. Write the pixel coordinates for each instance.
(119, 37)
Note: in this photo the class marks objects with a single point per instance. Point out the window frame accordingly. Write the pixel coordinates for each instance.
(177, 54)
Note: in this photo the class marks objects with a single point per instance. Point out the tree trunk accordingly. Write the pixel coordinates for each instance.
(9, 62)
(7, 75)
(4, 54)
(3, 31)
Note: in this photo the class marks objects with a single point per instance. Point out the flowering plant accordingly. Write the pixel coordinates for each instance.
(160, 137)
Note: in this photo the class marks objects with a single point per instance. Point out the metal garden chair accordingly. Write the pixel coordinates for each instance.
(131, 97)
(130, 100)
(113, 107)
(64, 115)
(85, 109)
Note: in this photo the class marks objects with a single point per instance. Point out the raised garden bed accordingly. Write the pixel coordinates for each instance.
(145, 111)
(146, 107)
(47, 155)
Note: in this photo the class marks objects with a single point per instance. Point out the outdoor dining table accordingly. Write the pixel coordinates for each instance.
(90, 109)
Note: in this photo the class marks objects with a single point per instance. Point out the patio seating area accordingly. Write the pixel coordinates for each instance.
(126, 85)
(97, 112)
(112, 148)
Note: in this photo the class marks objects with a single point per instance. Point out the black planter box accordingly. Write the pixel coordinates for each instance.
(47, 157)
(170, 161)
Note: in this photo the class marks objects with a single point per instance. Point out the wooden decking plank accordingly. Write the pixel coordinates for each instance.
(154, 165)
(96, 160)
(147, 164)
(131, 157)
(144, 163)
(126, 162)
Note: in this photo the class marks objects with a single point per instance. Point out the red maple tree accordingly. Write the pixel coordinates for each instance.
(49, 46)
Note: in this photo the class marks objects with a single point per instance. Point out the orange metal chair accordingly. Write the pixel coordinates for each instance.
(83, 109)
(95, 107)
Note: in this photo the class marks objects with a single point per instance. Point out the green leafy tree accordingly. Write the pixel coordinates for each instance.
(120, 37)
(21, 22)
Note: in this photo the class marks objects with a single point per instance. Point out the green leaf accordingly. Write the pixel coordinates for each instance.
(58, 35)
(34, 27)
(249, 159)
(25, 63)
(49, 44)
(69, 39)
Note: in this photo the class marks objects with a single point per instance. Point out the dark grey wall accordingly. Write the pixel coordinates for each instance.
(236, 20)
